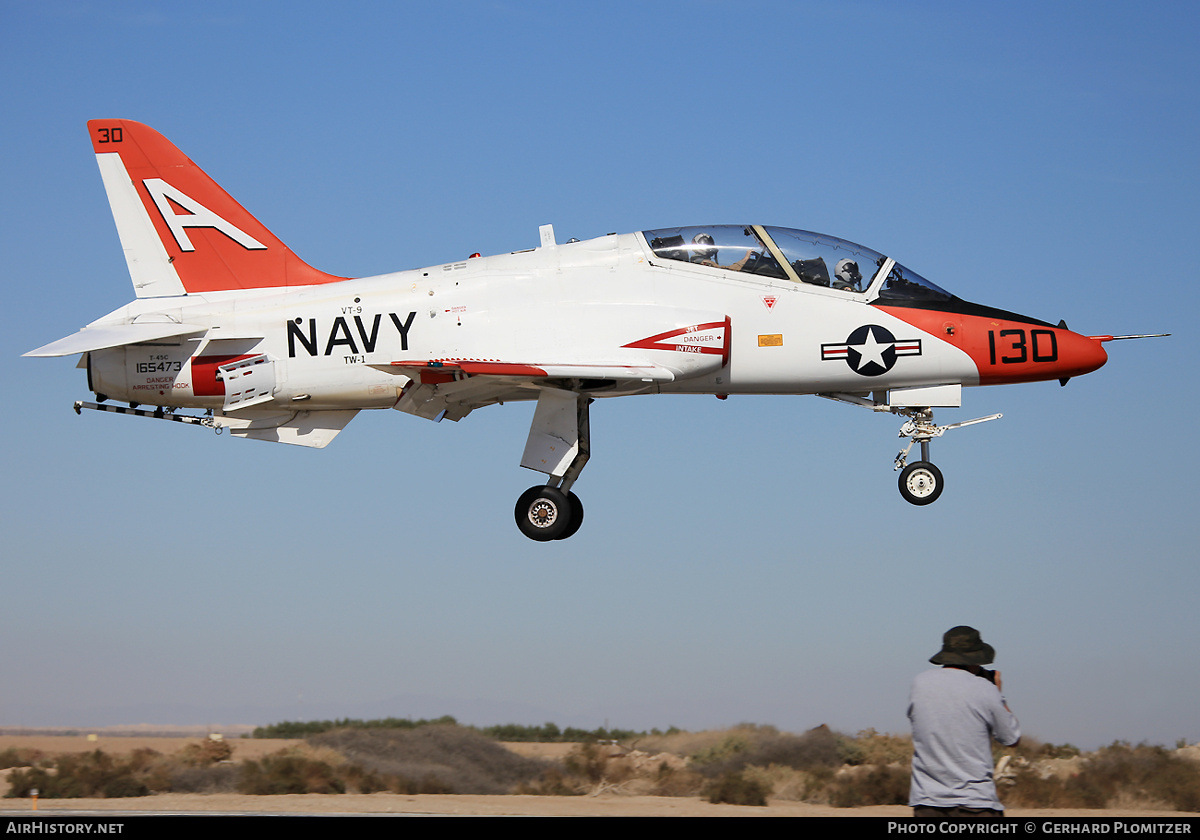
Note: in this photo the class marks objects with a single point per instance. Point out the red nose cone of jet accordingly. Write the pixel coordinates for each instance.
(1084, 354)
(1019, 352)
(1007, 347)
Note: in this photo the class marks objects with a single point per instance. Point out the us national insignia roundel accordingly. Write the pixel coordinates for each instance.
(871, 350)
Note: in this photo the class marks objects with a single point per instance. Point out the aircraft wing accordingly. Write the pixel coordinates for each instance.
(434, 372)
(114, 335)
(454, 388)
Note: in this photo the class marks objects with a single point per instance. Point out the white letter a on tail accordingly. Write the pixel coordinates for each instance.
(198, 216)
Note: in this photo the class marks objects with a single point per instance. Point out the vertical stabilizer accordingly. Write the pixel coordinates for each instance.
(181, 233)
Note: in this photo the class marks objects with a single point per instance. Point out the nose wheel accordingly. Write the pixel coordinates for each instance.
(921, 483)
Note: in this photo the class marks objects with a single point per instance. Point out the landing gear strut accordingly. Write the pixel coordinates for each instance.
(559, 445)
(921, 482)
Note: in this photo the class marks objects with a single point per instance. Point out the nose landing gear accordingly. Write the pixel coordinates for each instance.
(921, 482)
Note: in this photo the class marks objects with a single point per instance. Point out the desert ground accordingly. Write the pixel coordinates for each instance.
(611, 804)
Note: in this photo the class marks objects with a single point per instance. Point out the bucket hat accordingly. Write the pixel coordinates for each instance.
(962, 645)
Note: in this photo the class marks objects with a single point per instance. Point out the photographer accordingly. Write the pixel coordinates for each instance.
(955, 712)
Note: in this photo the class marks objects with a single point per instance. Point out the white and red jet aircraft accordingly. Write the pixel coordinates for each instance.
(227, 319)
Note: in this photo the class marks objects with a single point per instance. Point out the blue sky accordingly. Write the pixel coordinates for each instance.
(747, 560)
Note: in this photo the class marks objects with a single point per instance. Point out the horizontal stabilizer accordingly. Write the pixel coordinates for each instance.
(299, 428)
(114, 335)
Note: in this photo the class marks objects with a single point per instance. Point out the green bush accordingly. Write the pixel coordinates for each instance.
(304, 729)
(548, 733)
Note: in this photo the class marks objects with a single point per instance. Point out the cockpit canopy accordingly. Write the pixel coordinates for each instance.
(798, 256)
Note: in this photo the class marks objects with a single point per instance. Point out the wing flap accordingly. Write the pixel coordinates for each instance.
(452, 389)
(433, 372)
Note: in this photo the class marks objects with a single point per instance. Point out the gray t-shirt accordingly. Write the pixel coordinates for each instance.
(954, 716)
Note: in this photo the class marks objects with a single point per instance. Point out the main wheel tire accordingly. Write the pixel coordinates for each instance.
(921, 483)
(543, 513)
(575, 519)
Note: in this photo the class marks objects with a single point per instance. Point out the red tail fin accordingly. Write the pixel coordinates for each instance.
(180, 231)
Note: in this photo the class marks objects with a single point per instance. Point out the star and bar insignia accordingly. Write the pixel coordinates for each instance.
(871, 350)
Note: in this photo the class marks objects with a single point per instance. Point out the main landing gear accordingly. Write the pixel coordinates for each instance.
(921, 483)
(559, 445)
(545, 513)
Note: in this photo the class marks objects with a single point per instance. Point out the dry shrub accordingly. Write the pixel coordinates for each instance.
(765, 745)
(360, 780)
(732, 747)
(318, 752)
(871, 747)
(599, 764)
(1145, 771)
(782, 782)
(20, 757)
(91, 774)
(845, 787)
(675, 781)
(432, 759)
(588, 768)
(818, 747)
(140, 773)
(596, 768)
(1144, 776)
(214, 778)
(690, 743)
(209, 751)
(554, 781)
(1035, 750)
(289, 771)
(737, 788)
(197, 768)
(857, 787)
(1030, 789)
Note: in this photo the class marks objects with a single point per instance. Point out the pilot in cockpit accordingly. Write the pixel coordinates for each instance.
(704, 252)
(847, 276)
